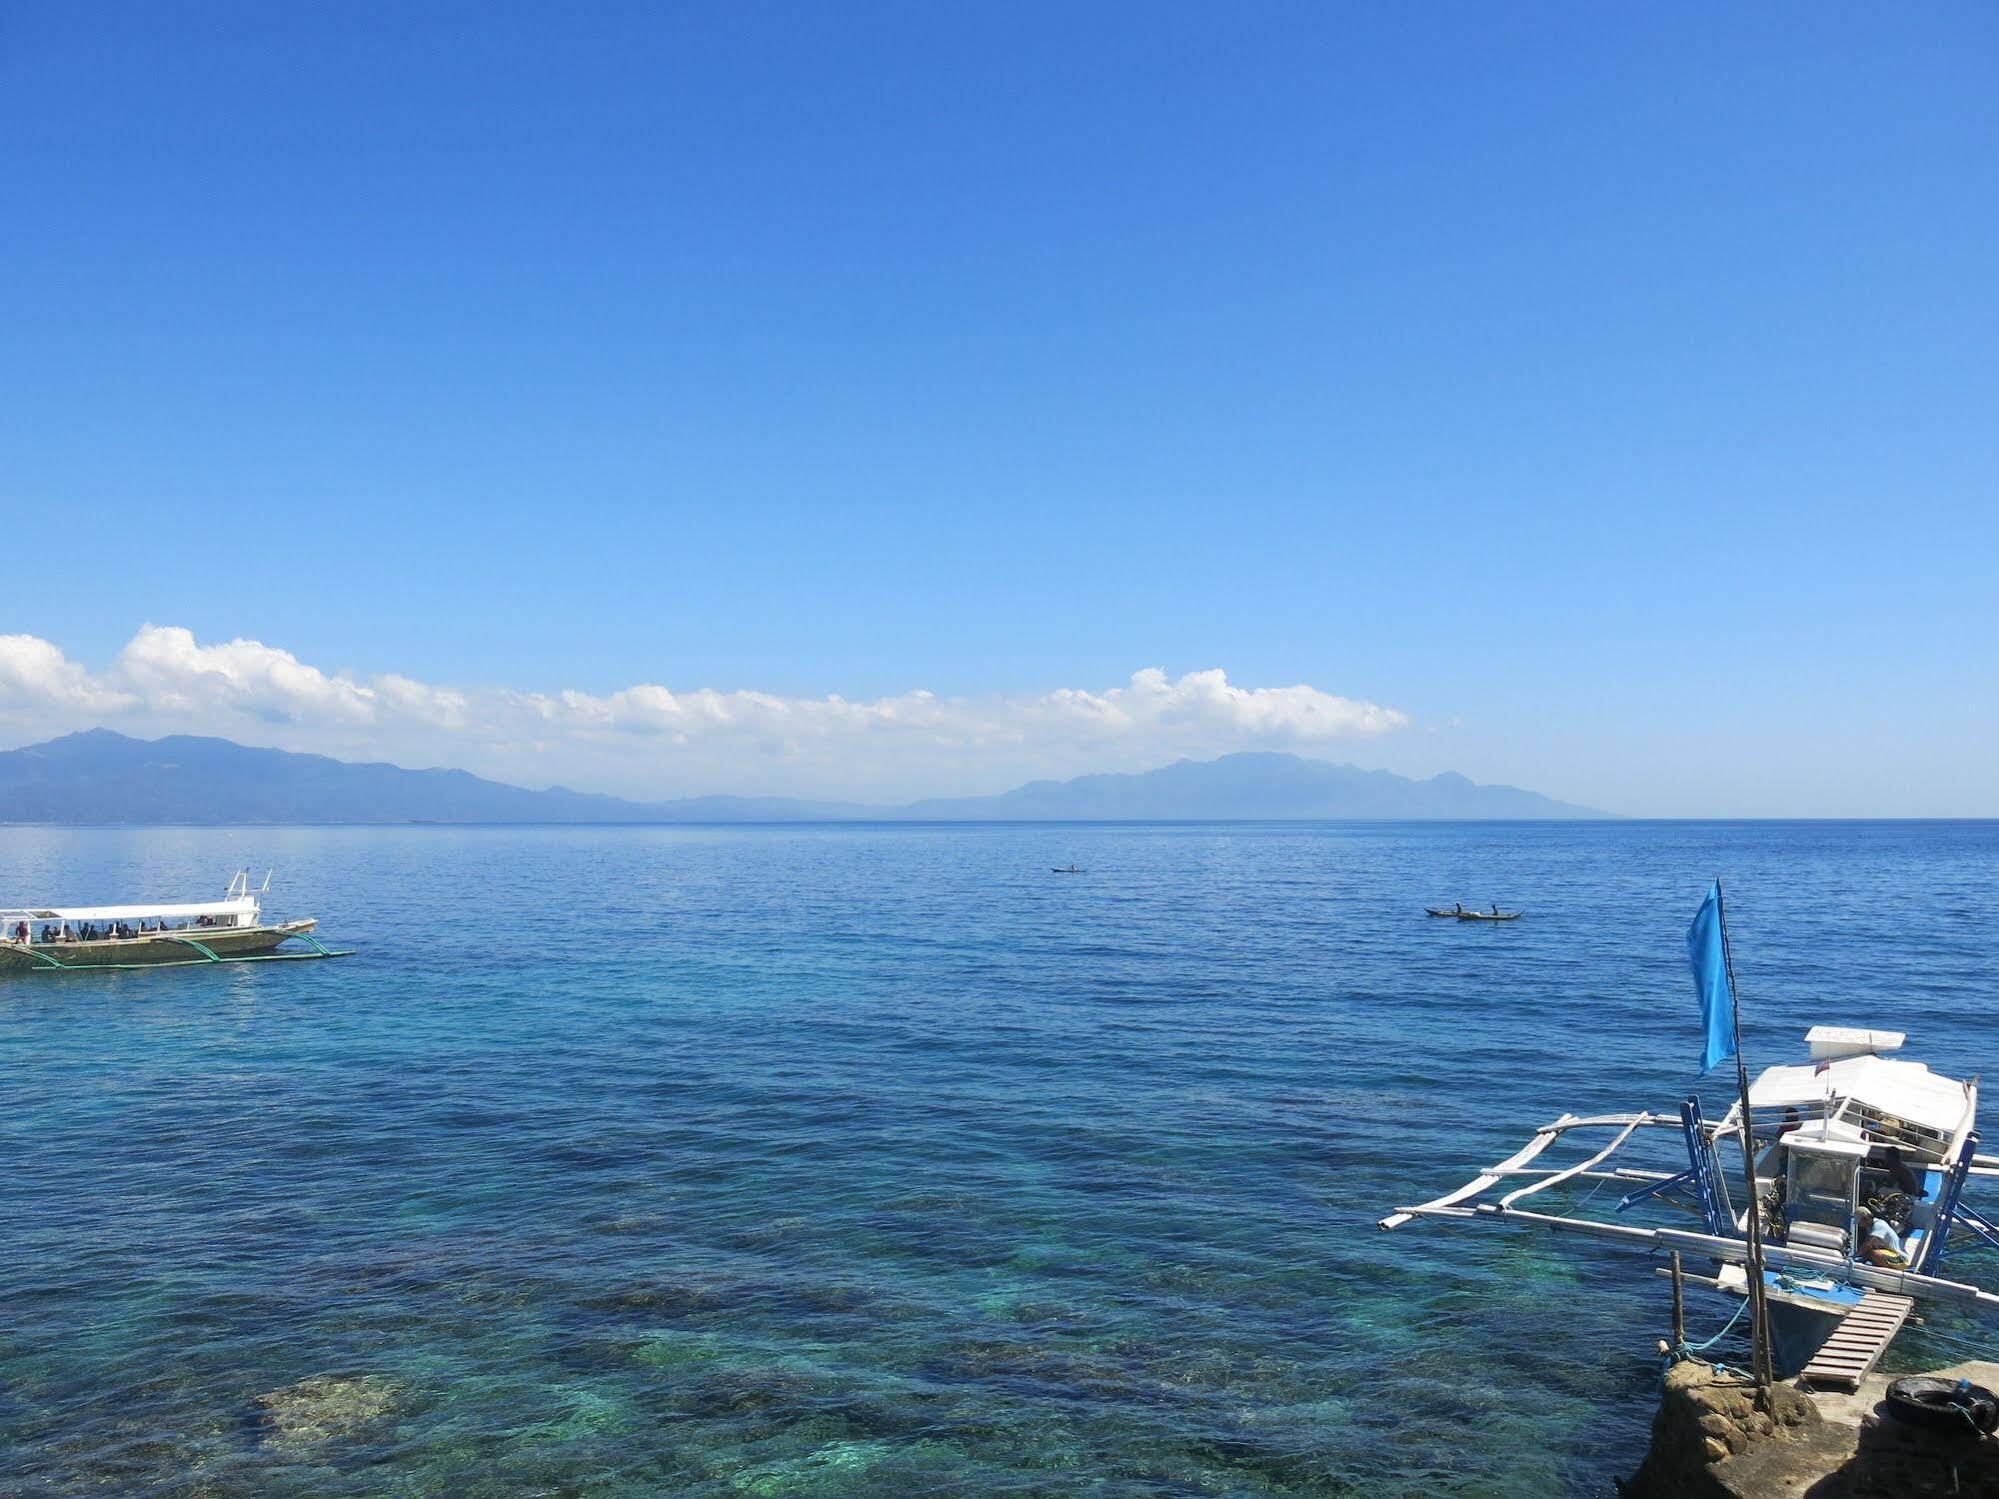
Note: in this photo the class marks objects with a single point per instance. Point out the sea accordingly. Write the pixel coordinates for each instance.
(883, 1160)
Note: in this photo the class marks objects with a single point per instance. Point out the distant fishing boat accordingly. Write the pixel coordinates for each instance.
(1070, 869)
(67, 939)
(1495, 914)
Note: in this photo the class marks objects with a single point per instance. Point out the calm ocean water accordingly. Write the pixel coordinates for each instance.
(875, 1161)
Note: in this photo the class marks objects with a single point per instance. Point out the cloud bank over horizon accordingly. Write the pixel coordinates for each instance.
(648, 741)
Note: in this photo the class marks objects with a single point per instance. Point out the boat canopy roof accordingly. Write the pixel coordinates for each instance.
(1829, 1041)
(242, 905)
(1885, 1085)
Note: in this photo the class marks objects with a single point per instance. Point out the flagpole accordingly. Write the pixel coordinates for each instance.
(1759, 1310)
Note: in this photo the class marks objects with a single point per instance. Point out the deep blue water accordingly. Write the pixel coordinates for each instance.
(843, 1161)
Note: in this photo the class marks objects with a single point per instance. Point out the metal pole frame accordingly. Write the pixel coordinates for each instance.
(1679, 1307)
(1759, 1310)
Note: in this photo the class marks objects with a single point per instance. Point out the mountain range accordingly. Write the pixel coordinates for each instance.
(99, 776)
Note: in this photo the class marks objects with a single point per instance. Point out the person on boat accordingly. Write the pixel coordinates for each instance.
(1879, 1243)
(1905, 1181)
(1495, 909)
(1458, 909)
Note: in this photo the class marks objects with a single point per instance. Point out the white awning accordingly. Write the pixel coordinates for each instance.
(241, 906)
(1901, 1090)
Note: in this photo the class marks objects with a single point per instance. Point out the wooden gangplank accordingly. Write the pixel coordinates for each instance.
(1856, 1345)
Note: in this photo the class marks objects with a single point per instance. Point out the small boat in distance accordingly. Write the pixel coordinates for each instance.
(1495, 914)
(66, 939)
(1071, 869)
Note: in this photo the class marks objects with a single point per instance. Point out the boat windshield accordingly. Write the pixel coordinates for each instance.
(1821, 1188)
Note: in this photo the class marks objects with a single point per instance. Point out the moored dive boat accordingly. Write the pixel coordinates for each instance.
(1850, 1139)
(1855, 1135)
(59, 939)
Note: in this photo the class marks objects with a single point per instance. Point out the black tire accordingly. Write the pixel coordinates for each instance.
(1943, 1404)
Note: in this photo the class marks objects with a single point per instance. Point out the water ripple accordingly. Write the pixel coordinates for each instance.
(852, 1161)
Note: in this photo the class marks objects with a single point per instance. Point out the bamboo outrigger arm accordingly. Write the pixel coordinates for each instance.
(1579, 1169)
(1736, 1252)
(1447, 1206)
(1713, 1246)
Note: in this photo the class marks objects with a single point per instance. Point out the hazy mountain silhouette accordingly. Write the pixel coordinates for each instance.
(100, 776)
(1248, 786)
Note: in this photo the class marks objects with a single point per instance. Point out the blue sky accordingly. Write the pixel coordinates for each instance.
(1608, 394)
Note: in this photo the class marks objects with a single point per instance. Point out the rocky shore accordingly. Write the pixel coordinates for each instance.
(1710, 1441)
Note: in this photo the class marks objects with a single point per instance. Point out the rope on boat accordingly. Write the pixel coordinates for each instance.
(1690, 1350)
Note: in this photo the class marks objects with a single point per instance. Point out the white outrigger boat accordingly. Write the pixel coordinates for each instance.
(69, 939)
(1854, 1129)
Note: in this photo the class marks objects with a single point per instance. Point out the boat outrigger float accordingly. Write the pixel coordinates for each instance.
(86, 939)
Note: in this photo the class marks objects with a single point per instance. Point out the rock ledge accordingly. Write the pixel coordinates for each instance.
(1710, 1441)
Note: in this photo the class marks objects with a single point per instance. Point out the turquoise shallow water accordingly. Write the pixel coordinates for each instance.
(844, 1161)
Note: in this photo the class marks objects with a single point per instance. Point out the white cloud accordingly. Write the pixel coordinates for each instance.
(35, 674)
(649, 740)
(171, 673)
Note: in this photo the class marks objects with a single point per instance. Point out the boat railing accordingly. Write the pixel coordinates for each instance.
(1894, 1131)
(1767, 1119)
(1887, 1129)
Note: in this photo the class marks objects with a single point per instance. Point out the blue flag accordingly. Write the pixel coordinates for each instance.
(1710, 964)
